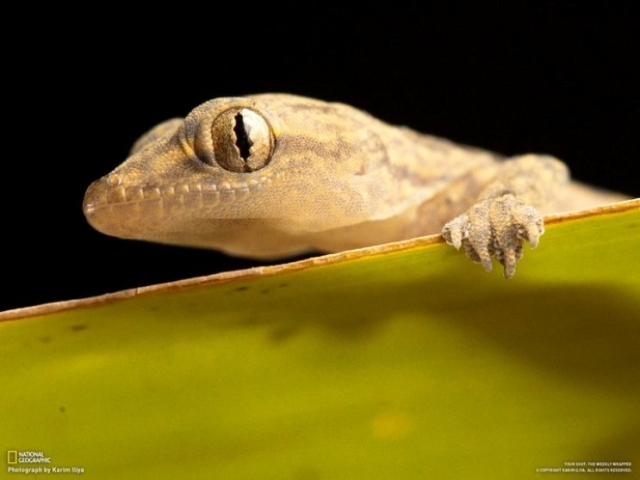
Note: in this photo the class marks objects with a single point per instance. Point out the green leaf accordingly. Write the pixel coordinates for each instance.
(399, 361)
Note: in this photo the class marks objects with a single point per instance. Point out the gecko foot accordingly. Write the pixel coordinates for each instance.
(495, 227)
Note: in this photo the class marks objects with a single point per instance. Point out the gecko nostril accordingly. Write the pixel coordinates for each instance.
(114, 180)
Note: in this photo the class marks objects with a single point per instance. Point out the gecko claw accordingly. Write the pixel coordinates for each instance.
(495, 227)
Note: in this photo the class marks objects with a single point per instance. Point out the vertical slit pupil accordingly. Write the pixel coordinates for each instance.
(243, 142)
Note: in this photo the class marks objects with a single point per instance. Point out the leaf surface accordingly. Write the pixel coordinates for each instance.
(399, 361)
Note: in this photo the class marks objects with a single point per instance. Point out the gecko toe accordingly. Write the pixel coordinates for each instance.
(530, 224)
(456, 230)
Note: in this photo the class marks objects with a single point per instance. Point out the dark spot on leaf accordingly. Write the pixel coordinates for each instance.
(281, 334)
(46, 339)
(241, 289)
(78, 328)
(62, 409)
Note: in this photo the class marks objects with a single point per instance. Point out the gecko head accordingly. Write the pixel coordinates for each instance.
(254, 176)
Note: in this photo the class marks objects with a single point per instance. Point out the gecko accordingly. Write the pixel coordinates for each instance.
(275, 175)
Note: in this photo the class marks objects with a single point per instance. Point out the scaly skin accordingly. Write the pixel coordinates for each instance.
(273, 175)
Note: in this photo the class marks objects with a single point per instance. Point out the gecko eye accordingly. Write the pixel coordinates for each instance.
(242, 140)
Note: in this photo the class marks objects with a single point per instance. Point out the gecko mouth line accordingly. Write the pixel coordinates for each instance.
(100, 194)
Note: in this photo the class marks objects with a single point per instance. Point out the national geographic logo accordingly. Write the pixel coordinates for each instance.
(15, 457)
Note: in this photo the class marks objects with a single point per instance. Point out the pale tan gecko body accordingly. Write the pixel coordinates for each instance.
(274, 175)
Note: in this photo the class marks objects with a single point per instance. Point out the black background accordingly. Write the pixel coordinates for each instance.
(557, 77)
